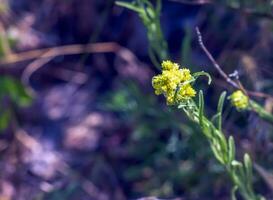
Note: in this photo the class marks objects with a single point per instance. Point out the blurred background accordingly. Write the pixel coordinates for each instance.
(78, 116)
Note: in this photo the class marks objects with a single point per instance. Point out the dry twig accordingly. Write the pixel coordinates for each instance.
(215, 64)
(236, 84)
(106, 47)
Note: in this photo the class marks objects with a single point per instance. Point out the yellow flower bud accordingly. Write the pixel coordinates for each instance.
(239, 100)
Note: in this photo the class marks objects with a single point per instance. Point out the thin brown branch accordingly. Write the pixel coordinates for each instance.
(43, 56)
(213, 61)
(237, 84)
(34, 66)
(259, 94)
(79, 77)
(60, 51)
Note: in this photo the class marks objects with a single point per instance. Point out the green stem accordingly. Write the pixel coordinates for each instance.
(150, 17)
(261, 111)
(218, 142)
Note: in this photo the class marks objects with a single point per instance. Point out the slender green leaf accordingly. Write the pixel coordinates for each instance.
(231, 149)
(221, 140)
(236, 163)
(150, 12)
(130, 6)
(215, 118)
(202, 73)
(216, 153)
(219, 110)
(261, 111)
(248, 166)
(233, 193)
(158, 7)
(201, 107)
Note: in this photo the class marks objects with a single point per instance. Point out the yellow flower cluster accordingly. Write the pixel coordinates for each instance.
(173, 83)
(239, 100)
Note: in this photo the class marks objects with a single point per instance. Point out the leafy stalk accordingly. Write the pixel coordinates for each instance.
(150, 17)
(223, 149)
(261, 111)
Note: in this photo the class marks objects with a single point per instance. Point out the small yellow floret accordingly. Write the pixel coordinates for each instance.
(169, 65)
(239, 100)
(173, 83)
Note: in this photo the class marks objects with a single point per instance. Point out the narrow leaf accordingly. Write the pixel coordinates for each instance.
(221, 102)
(219, 110)
(231, 149)
(202, 73)
(158, 6)
(217, 153)
(201, 107)
(129, 6)
(150, 13)
(233, 193)
(248, 166)
(215, 118)
(236, 163)
(221, 140)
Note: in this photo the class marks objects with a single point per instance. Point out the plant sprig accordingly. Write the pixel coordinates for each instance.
(252, 105)
(169, 83)
(150, 16)
(223, 149)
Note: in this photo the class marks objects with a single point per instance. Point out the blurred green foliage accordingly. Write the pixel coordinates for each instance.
(165, 149)
(12, 93)
(150, 16)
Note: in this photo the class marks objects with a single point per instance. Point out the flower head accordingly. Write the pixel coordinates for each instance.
(239, 100)
(173, 83)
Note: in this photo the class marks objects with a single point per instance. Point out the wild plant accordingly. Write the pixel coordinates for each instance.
(177, 86)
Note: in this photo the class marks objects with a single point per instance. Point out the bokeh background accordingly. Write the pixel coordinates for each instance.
(84, 123)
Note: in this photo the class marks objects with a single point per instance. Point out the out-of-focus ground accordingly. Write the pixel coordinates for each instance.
(94, 128)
